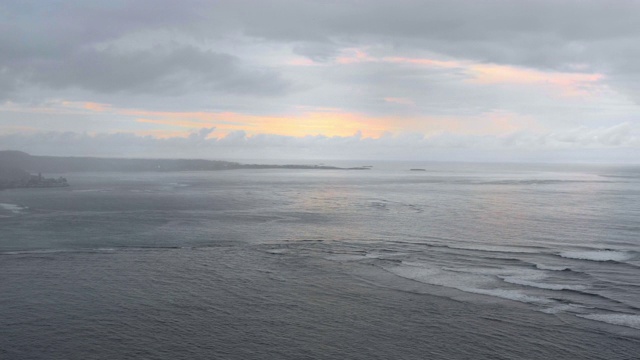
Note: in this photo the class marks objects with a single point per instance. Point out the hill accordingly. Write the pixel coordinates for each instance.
(55, 164)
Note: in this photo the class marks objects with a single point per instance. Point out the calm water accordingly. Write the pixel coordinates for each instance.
(455, 262)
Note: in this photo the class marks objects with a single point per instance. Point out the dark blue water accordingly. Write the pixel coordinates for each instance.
(455, 262)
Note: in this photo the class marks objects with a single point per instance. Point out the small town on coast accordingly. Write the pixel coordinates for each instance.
(32, 181)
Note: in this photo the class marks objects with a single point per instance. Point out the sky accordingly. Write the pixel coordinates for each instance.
(461, 80)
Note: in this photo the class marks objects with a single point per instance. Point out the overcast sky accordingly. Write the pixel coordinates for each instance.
(538, 80)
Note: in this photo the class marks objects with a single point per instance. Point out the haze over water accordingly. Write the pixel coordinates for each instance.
(459, 261)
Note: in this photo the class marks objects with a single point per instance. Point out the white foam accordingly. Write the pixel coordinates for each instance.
(414, 272)
(523, 277)
(515, 295)
(551, 267)
(628, 320)
(558, 287)
(16, 209)
(601, 255)
(563, 308)
(467, 282)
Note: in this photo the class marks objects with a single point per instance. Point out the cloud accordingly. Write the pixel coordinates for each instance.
(399, 101)
(110, 47)
(50, 28)
(540, 34)
(159, 70)
(523, 74)
(204, 143)
(317, 52)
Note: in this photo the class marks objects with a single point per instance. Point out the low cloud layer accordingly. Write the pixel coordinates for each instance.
(239, 145)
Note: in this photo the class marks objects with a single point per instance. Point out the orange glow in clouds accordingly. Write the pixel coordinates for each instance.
(425, 62)
(570, 84)
(304, 122)
(310, 123)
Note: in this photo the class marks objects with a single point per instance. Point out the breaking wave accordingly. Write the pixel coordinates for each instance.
(557, 287)
(599, 255)
(552, 268)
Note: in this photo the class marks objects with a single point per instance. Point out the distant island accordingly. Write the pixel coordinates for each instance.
(16, 167)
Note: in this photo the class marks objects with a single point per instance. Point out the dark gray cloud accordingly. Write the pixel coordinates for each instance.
(511, 23)
(158, 70)
(57, 39)
(49, 29)
(61, 45)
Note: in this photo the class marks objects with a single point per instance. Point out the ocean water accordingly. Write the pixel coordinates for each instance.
(459, 261)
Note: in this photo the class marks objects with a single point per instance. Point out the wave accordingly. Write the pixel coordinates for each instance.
(552, 268)
(16, 209)
(89, 250)
(570, 298)
(556, 287)
(485, 248)
(278, 251)
(598, 255)
(33, 252)
(628, 320)
(514, 295)
(564, 308)
(448, 243)
(347, 257)
(498, 249)
(396, 206)
(541, 182)
(461, 281)
(522, 277)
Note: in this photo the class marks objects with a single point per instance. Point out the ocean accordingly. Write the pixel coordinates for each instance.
(459, 261)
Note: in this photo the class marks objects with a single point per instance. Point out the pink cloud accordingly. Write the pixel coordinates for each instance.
(354, 56)
(569, 84)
